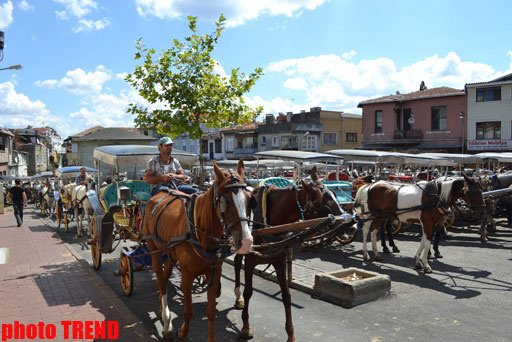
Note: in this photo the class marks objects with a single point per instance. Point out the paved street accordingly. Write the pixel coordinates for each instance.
(467, 298)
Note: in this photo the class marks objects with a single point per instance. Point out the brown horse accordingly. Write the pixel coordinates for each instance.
(423, 202)
(282, 206)
(198, 232)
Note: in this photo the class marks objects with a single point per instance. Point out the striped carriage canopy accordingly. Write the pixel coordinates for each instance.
(121, 155)
(298, 156)
(393, 157)
(73, 171)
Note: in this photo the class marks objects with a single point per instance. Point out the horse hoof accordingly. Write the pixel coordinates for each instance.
(181, 335)
(366, 258)
(419, 266)
(239, 304)
(246, 334)
(428, 269)
(167, 335)
(395, 249)
(386, 250)
(438, 255)
(378, 257)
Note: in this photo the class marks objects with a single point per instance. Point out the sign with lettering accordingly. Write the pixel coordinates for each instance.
(489, 145)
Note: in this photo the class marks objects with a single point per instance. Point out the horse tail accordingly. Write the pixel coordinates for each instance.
(358, 200)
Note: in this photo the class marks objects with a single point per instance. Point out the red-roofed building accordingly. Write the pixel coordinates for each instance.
(424, 120)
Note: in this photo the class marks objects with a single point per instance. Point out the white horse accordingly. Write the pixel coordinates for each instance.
(77, 199)
(48, 199)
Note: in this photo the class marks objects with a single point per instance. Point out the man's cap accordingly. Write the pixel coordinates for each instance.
(165, 141)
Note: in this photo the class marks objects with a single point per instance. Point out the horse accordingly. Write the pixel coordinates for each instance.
(75, 196)
(425, 202)
(47, 199)
(197, 231)
(503, 181)
(277, 206)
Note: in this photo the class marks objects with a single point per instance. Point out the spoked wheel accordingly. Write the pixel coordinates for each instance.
(347, 236)
(319, 239)
(396, 225)
(95, 246)
(58, 214)
(126, 273)
(66, 221)
(452, 217)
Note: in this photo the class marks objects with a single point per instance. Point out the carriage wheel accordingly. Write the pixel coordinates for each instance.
(126, 273)
(396, 225)
(452, 217)
(406, 225)
(58, 214)
(347, 237)
(95, 246)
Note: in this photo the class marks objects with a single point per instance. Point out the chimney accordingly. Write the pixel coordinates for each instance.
(423, 86)
(269, 119)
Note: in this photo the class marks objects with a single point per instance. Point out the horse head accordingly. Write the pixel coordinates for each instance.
(232, 202)
(472, 194)
(323, 200)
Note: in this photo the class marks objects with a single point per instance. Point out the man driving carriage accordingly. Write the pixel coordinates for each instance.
(165, 172)
(82, 177)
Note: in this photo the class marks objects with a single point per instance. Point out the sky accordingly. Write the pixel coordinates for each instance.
(314, 53)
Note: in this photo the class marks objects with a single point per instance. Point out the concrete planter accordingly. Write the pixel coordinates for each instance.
(343, 289)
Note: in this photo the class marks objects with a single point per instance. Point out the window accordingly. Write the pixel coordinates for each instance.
(204, 146)
(286, 141)
(329, 138)
(218, 146)
(230, 142)
(488, 94)
(2, 143)
(239, 143)
(263, 140)
(438, 118)
(275, 141)
(378, 121)
(351, 137)
(309, 142)
(488, 130)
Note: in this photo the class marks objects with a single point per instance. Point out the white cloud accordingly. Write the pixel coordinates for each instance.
(332, 81)
(5, 15)
(348, 55)
(121, 75)
(236, 12)
(25, 6)
(296, 83)
(91, 25)
(79, 82)
(76, 8)
(18, 111)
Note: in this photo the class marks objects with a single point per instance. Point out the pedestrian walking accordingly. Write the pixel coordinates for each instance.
(18, 197)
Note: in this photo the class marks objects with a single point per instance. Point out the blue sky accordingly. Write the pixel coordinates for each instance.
(331, 54)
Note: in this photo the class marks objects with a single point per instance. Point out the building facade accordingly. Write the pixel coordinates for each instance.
(425, 120)
(340, 130)
(489, 119)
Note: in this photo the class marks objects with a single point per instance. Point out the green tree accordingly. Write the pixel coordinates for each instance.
(184, 91)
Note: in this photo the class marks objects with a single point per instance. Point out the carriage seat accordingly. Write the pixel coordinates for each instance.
(342, 190)
(280, 182)
(139, 191)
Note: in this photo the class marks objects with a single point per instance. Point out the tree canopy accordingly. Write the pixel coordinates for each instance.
(184, 90)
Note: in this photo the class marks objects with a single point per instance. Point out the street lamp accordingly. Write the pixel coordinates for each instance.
(461, 117)
(13, 67)
(1, 45)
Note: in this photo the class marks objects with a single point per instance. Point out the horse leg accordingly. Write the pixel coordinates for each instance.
(385, 248)
(389, 227)
(366, 229)
(239, 301)
(161, 283)
(188, 311)
(78, 227)
(437, 237)
(250, 262)
(373, 232)
(424, 247)
(212, 296)
(280, 267)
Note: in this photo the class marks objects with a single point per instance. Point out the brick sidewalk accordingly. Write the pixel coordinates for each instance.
(41, 281)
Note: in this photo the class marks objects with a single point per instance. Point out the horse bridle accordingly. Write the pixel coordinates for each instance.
(219, 200)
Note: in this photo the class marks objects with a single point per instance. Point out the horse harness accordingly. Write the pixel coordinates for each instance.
(221, 247)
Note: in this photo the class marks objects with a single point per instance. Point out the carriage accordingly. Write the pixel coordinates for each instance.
(118, 207)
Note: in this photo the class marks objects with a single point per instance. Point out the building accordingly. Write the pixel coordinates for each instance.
(424, 120)
(489, 119)
(340, 130)
(83, 145)
(241, 141)
(36, 145)
(299, 132)
(6, 148)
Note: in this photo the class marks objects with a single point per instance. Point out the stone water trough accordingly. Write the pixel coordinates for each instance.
(351, 286)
